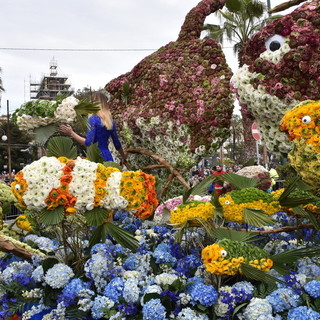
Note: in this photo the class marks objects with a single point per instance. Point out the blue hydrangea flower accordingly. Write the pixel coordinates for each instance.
(188, 264)
(313, 288)
(71, 290)
(114, 289)
(154, 310)
(131, 290)
(58, 276)
(132, 262)
(201, 293)
(303, 312)
(162, 254)
(258, 309)
(99, 304)
(283, 299)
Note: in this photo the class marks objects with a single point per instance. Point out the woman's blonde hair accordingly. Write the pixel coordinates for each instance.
(104, 113)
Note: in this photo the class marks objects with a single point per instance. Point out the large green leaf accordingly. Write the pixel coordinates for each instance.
(61, 146)
(96, 236)
(96, 216)
(51, 217)
(123, 237)
(199, 189)
(233, 5)
(310, 216)
(293, 183)
(239, 182)
(233, 235)
(259, 275)
(94, 154)
(87, 106)
(293, 255)
(42, 134)
(291, 202)
(256, 217)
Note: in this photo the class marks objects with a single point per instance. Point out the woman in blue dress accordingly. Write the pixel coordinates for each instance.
(102, 127)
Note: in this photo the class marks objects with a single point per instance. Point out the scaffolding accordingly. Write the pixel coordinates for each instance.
(51, 85)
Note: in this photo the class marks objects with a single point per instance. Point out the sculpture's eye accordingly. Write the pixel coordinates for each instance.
(275, 42)
(227, 202)
(17, 187)
(306, 119)
(223, 253)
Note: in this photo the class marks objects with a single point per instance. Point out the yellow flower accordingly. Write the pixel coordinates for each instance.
(23, 223)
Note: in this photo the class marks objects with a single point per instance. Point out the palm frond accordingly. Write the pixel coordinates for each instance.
(42, 134)
(257, 217)
(293, 255)
(233, 5)
(256, 274)
(293, 183)
(239, 182)
(199, 189)
(61, 146)
(233, 235)
(93, 154)
(87, 106)
(112, 164)
(308, 215)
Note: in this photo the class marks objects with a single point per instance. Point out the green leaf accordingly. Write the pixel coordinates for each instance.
(61, 146)
(123, 237)
(112, 164)
(257, 217)
(51, 217)
(42, 134)
(238, 308)
(96, 236)
(233, 5)
(291, 202)
(94, 154)
(147, 297)
(96, 216)
(49, 263)
(75, 313)
(233, 235)
(256, 274)
(310, 216)
(293, 255)
(292, 186)
(239, 182)
(199, 189)
(6, 208)
(87, 106)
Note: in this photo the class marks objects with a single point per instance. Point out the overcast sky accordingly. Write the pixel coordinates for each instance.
(94, 24)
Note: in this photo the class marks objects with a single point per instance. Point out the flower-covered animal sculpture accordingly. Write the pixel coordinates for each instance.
(226, 257)
(230, 257)
(178, 100)
(80, 186)
(302, 125)
(280, 69)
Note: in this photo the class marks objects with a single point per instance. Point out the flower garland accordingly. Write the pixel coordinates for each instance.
(191, 210)
(80, 185)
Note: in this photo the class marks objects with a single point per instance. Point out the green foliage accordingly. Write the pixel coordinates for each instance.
(239, 182)
(199, 189)
(233, 235)
(308, 215)
(94, 154)
(42, 134)
(256, 274)
(112, 164)
(52, 217)
(61, 146)
(256, 217)
(96, 216)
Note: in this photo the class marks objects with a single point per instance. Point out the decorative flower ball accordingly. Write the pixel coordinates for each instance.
(81, 185)
(184, 85)
(302, 127)
(226, 257)
(280, 69)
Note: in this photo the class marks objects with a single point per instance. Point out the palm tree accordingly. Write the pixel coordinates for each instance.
(241, 19)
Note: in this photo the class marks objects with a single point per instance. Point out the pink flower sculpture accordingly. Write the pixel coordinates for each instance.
(281, 68)
(185, 85)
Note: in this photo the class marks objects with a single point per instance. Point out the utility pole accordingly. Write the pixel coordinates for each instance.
(9, 142)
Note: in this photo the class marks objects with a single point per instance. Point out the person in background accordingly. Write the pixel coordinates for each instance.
(102, 127)
(274, 176)
(218, 188)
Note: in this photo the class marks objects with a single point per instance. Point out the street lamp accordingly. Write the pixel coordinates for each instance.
(4, 136)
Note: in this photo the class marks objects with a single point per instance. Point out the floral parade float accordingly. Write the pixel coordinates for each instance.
(177, 102)
(280, 70)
